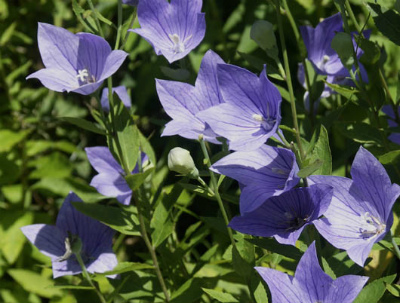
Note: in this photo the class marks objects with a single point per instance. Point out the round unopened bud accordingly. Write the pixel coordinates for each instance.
(180, 161)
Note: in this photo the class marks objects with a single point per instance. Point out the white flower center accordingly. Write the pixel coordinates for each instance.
(85, 77)
(325, 59)
(258, 118)
(373, 227)
(179, 46)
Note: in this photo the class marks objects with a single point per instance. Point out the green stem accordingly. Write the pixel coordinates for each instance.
(130, 25)
(214, 188)
(152, 251)
(96, 18)
(114, 127)
(119, 25)
(289, 81)
(87, 276)
(352, 17)
(395, 246)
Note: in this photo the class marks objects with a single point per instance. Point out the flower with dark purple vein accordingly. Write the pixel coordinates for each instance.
(310, 284)
(183, 102)
(251, 112)
(284, 217)
(360, 213)
(57, 241)
(110, 180)
(262, 173)
(173, 29)
(75, 63)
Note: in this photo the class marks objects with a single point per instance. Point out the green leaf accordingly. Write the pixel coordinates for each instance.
(371, 50)
(272, 245)
(322, 152)
(374, 290)
(10, 138)
(55, 165)
(189, 292)
(11, 238)
(341, 90)
(243, 257)
(84, 124)
(387, 22)
(394, 289)
(87, 21)
(81, 287)
(161, 222)
(121, 218)
(128, 134)
(342, 43)
(126, 267)
(391, 157)
(34, 283)
(220, 296)
(136, 180)
(310, 169)
(361, 132)
(8, 33)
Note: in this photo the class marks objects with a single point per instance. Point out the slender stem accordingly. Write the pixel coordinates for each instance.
(119, 25)
(352, 17)
(214, 185)
(291, 20)
(395, 246)
(96, 18)
(87, 276)
(289, 81)
(114, 132)
(152, 251)
(130, 25)
(287, 144)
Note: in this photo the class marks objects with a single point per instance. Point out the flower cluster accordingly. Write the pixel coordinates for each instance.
(226, 105)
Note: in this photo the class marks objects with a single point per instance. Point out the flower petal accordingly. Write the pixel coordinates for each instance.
(102, 160)
(345, 289)
(47, 238)
(310, 277)
(280, 285)
(55, 79)
(110, 185)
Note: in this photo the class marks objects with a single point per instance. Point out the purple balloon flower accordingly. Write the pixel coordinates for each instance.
(360, 212)
(173, 29)
(251, 112)
(324, 58)
(264, 172)
(55, 241)
(310, 284)
(122, 94)
(284, 217)
(111, 178)
(388, 110)
(75, 63)
(183, 101)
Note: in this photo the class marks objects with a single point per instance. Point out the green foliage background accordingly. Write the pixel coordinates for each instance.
(42, 156)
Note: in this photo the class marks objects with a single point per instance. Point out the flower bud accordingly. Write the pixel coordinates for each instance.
(180, 161)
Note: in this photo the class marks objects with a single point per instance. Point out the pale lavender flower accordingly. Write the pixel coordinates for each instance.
(324, 58)
(173, 29)
(388, 110)
(182, 101)
(111, 178)
(360, 212)
(55, 241)
(122, 94)
(262, 173)
(251, 112)
(75, 63)
(284, 217)
(310, 284)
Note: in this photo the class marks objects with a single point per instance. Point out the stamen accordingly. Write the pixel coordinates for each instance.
(374, 226)
(82, 74)
(179, 46)
(325, 59)
(85, 77)
(258, 118)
